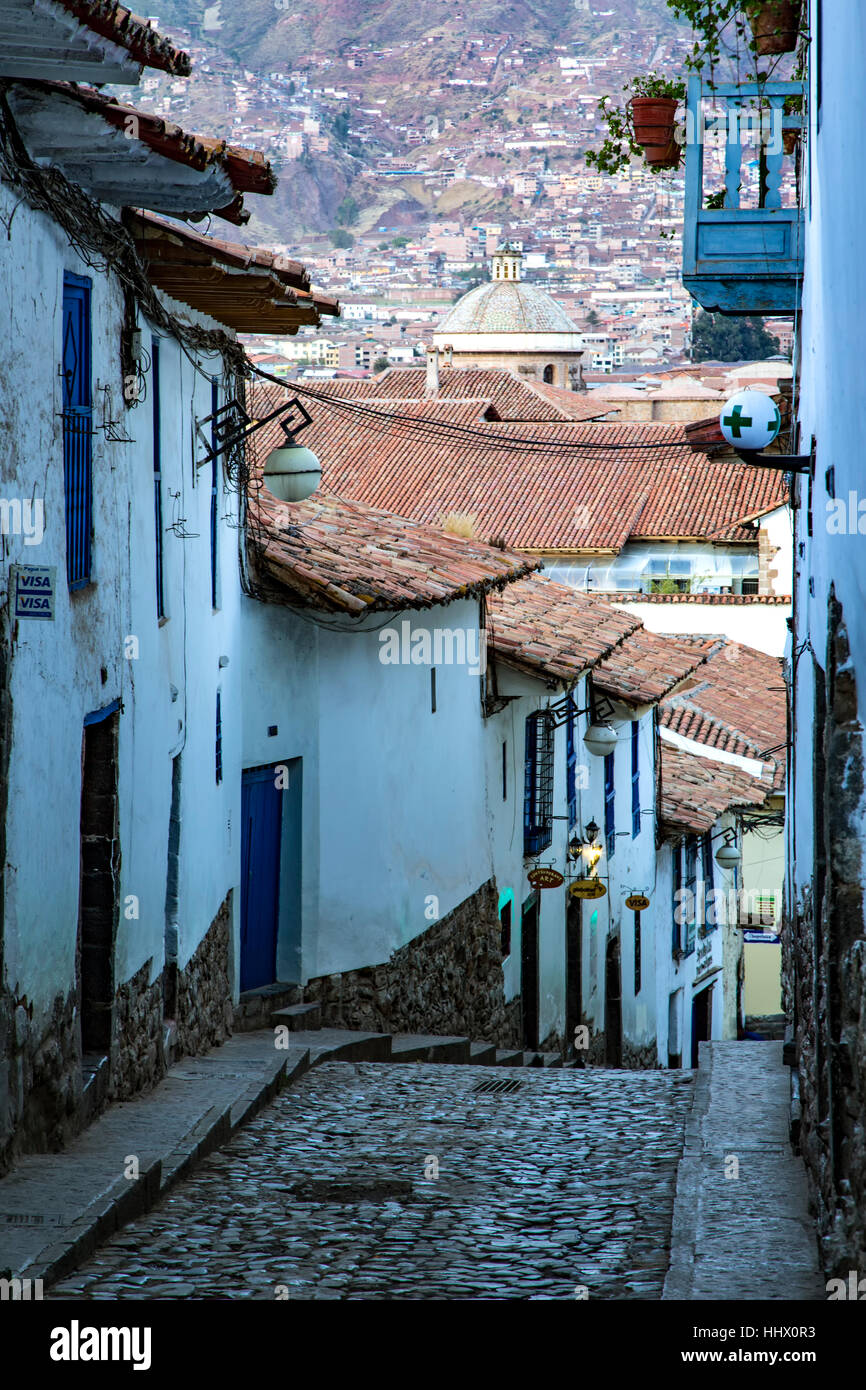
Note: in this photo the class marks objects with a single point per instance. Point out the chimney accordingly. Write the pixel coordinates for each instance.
(449, 355)
(431, 384)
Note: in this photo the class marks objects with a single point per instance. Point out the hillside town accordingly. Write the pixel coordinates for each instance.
(446, 677)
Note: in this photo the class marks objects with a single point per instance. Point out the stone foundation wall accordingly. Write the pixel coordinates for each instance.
(204, 995)
(512, 1029)
(639, 1058)
(824, 974)
(137, 1059)
(40, 1077)
(448, 980)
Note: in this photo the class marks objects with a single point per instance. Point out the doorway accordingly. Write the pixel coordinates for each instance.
(529, 971)
(702, 1021)
(573, 928)
(99, 879)
(613, 1004)
(261, 836)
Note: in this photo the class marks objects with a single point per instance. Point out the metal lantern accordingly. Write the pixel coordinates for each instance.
(728, 856)
(292, 472)
(600, 739)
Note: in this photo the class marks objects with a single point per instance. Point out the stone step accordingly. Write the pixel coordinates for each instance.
(533, 1059)
(482, 1054)
(255, 1006)
(508, 1058)
(421, 1047)
(298, 1017)
(344, 1045)
(551, 1059)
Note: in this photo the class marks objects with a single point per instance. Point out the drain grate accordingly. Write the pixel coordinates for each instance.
(497, 1086)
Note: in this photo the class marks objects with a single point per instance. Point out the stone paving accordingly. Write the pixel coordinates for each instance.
(365, 1181)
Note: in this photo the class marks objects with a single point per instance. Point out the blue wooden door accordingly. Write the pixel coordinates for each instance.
(77, 427)
(261, 822)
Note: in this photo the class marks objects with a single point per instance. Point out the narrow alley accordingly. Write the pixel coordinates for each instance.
(559, 1179)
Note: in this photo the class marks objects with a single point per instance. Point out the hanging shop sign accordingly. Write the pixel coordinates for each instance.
(542, 877)
(587, 888)
(638, 902)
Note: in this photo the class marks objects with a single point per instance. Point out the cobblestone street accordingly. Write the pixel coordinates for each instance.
(331, 1192)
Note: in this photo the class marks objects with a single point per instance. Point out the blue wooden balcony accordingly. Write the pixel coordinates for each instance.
(742, 259)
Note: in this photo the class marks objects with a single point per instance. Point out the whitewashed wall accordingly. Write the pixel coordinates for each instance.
(63, 670)
(394, 806)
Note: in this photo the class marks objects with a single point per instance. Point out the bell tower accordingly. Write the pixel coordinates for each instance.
(506, 262)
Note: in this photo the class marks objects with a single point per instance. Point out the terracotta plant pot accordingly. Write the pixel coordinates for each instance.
(775, 26)
(654, 121)
(790, 141)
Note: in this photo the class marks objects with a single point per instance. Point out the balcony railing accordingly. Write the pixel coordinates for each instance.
(736, 259)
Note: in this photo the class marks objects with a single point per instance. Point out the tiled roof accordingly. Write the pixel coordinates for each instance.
(579, 487)
(737, 703)
(540, 626)
(246, 288)
(513, 397)
(730, 600)
(156, 164)
(645, 667)
(129, 31)
(351, 558)
(693, 791)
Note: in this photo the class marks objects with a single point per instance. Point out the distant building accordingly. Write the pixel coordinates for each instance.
(508, 323)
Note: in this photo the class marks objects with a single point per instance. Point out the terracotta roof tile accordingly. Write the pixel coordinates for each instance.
(737, 703)
(129, 31)
(351, 558)
(513, 397)
(694, 791)
(645, 667)
(581, 486)
(538, 625)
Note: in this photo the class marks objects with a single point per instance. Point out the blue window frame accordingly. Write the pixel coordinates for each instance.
(157, 476)
(214, 480)
(571, 763)
(691, 887)
(635, 778)
(609, 811)
(538, 785)
(77, 417)
(677, 898)
(218, 748)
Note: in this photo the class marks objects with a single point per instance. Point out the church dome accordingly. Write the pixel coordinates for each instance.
(505, 304)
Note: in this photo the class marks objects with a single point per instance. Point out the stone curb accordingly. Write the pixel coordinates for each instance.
(678, 1282)
(128, 1199)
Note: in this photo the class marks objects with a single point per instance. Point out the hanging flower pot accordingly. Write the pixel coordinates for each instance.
(654, 120)
(790, 141)
(775, 25)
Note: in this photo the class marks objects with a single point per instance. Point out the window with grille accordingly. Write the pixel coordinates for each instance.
(157, 476)
(691, 889)
(609, 809)
(77, 418)
(677, 904)
(538, 784)
(635, 778)
(571, 763)
(218, 746)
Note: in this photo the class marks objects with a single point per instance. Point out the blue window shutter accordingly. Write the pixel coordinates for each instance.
(538, 785)
(609, 812)
(635, 778)
(157, 477)
(571, 764)
(677, 883)
(214, 479)
(219, 739)
(77, 419)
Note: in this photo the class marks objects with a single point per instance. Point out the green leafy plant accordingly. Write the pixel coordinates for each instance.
(619, 146)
